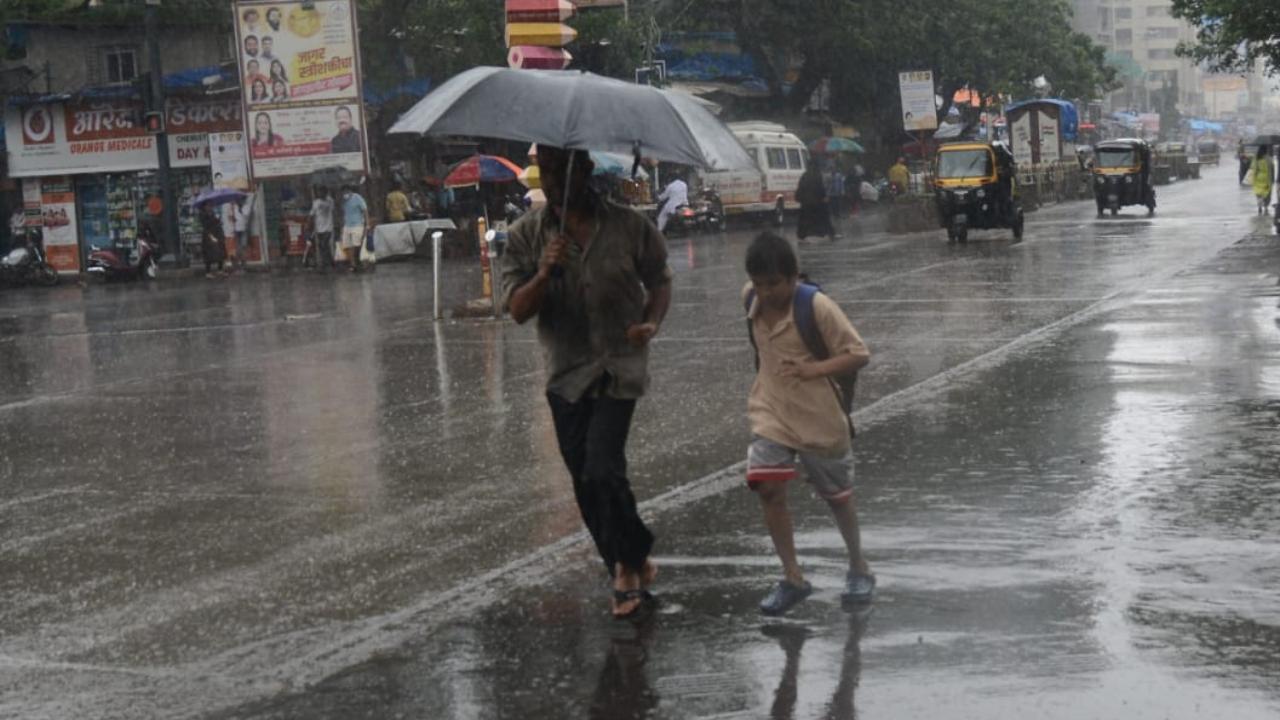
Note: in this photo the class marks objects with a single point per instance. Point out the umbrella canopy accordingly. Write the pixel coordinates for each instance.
(482, 169)
(576, 110)
(1269, 140)
(833, 145)
(218, 196)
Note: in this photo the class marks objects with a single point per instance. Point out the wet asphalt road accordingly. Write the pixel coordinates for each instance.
(296, 497)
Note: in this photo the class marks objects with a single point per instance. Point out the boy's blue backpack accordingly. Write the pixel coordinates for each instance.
(802, 310)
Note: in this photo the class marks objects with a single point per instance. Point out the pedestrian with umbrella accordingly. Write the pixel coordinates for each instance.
(593, 273)
(213, 237)
(213, 241)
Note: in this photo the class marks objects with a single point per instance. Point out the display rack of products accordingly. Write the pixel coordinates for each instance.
(122, 210)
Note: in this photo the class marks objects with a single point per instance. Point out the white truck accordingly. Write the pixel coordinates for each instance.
(770, 188)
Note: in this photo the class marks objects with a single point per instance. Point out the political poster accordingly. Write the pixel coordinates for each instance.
(919, 111)
(300, 85)
(58, 214)
(228, 161)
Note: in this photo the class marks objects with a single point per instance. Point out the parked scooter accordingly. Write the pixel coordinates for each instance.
(110, 265)
(26, 265)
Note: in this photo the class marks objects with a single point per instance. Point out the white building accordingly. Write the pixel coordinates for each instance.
(1141, 38)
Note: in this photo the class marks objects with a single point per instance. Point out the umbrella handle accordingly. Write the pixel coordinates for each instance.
(557, 270)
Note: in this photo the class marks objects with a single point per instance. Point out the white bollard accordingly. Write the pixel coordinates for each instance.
(437, 238)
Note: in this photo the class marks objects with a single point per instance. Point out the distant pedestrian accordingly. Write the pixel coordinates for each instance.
(836, 190)
(804, 346)
(853, 188)
(899, 177)
(213, 242)
(815, 212)
(355, 225)
(242, 213)
(599, 292)
(397, 205)
(321, 221)
(1263, 177)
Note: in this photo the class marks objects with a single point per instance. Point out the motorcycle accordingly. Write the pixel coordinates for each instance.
(108, 265)
(26, 265)
(708, 212)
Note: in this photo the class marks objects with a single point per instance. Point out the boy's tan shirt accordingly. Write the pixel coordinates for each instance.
(800, 414)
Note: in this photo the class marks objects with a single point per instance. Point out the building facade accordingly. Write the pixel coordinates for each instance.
(79, 159)
(1141, 38)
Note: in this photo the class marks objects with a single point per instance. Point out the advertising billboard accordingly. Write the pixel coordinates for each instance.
(919, 111)
(300, 86)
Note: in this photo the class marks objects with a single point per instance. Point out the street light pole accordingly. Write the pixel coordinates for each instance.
(169, 215)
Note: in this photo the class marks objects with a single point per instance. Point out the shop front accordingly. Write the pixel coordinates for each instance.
(94, 157)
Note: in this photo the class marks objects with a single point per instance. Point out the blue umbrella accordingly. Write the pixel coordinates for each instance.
(218, 196)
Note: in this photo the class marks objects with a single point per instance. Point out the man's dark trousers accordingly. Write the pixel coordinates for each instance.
(593, 439)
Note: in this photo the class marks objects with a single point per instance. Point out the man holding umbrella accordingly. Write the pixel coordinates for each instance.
(595, 275)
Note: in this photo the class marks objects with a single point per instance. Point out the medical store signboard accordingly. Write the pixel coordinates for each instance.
(106, 136)
(76, 137)
(300, 86)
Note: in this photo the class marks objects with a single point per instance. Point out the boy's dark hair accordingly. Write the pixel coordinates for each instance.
(771, 254)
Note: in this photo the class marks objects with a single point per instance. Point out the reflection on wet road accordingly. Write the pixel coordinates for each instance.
(297, 498)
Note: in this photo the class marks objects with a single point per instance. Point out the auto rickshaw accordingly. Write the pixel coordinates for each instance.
(1122, 175)
(974, 186)
(1209, 152)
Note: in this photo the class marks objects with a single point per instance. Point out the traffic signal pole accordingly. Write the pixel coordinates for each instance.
(169, 239)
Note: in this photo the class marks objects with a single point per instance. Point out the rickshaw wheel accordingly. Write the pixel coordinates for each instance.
(1017, 227)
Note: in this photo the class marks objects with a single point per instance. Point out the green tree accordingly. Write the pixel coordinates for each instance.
(1232, 35)
(995, 47)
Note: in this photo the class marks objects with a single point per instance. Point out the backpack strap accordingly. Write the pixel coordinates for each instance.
(751, 329)
(807, 325)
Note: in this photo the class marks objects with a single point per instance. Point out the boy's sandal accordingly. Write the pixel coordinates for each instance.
(641, 598)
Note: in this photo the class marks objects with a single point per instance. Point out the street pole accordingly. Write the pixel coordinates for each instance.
(169, 217)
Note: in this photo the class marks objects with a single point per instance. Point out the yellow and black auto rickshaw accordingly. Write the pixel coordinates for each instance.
(1122, 176)
(975, 187)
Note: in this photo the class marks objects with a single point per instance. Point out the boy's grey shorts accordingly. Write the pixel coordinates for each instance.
(831, 476)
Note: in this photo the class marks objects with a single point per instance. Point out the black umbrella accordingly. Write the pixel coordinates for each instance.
(579, 111)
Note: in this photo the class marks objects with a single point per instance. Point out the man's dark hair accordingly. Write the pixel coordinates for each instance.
(771, 254)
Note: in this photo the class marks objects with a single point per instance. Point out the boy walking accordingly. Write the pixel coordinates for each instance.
(796, 413)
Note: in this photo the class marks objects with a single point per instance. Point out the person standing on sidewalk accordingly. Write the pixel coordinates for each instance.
(796, 413)
(241, 213)
(321, 219)
(599, 292)
(355, 225)
(213, 241)
(397, 205)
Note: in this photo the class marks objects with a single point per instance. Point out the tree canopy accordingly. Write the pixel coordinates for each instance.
(1233, 35)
